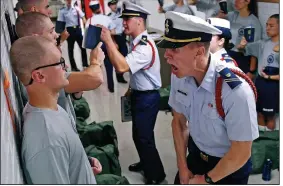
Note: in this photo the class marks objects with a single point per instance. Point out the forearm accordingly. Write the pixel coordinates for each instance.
(275, 77)
(253, 63)
(89, 79)
(230, 163)
(180, 142)
(116, 58)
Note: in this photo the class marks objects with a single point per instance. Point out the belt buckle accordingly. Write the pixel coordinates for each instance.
(204, 157)
(74, 26)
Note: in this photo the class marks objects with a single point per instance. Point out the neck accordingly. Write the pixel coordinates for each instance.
(275, 38)
(42, 98)
(244, 12)
(138, 32)
(201, 70)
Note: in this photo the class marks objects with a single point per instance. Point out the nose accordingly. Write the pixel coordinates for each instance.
(167, 54)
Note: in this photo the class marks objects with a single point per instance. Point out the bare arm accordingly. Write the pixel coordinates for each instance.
(91, 77)
(116, 58)
(180, 135)
(231, 162)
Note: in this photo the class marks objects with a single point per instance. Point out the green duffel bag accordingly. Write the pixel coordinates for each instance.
(107, 158)
(263, 148)
(164, 98)
(99, 134)
(111, 179)
(80, 125)
(81, 108)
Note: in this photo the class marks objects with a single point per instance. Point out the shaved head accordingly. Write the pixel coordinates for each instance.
(30, 52)
(31, 23)
(41, 6)
(28, 4)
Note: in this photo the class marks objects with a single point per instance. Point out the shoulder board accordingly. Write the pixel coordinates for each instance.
(62, 8)
(230, 78)
(226, 58)
(109, 14)
(143, 40)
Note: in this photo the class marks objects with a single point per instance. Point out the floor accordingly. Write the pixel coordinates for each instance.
(106, 106)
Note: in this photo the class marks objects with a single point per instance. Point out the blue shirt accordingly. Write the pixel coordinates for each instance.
(211, 134)
(141, 58)
(117, 21)
(70, 16)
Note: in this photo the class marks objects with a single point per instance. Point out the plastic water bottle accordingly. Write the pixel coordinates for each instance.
(266, 172)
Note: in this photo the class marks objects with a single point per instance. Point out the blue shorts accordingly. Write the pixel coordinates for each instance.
(268, 93)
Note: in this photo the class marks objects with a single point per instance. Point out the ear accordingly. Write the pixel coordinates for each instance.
(33, 9)
(200, 51)
(37, 76)
(221, 41)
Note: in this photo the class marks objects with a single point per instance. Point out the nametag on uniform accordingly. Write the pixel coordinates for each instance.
(126, 113)
(181, 92)
(92, 37)
(60, 26)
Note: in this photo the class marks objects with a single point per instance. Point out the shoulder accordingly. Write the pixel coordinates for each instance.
(254, 18)
(62, 9)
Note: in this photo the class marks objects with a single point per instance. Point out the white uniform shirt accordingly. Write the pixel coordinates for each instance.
(98, 19)
(70, 16)
(211, 134)
(140, 58)
(117, 21)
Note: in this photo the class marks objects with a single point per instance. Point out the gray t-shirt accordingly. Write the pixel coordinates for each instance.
(263, 50)
(52, 152)
(210, 8)
(238, 24)
(64, 99)
(183, 9)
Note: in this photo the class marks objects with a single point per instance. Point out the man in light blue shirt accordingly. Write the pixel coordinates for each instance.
(119, 36)
(143, 63)
(71, 15)
(219, 125)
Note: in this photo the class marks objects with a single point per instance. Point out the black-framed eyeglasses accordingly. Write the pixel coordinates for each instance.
(62, 63)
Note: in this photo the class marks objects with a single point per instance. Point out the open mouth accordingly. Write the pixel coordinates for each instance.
(174, 69)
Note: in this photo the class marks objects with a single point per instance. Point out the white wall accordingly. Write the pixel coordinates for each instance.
(11, 172)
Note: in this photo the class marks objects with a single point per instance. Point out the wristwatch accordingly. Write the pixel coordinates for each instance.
(208, 179)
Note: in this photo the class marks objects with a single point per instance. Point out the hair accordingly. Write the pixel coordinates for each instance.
(17, 7)
(226, 44)
(275, 16)
(26, 5)
(28, 53)
(252, 7)
(30, 23)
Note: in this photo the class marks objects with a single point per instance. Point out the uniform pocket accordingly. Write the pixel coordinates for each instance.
(209, 110)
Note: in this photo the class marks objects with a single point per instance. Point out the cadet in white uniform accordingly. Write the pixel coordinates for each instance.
(119, 36)
(100, 19)
(143, 63)
(214, 139)
(219, 43)
(71, 15)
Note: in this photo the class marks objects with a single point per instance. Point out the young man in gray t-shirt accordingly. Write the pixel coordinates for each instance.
(51, 152)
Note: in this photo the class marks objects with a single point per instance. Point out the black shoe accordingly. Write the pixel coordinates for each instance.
(136, 167)
(154, 182)
(122, 80)
(111, 90)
